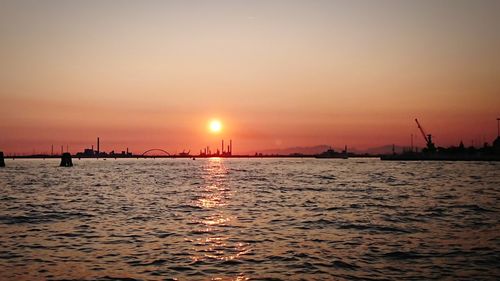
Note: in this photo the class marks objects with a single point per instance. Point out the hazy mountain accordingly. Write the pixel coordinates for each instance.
(313, 150)
(307, 150)
(385, 149)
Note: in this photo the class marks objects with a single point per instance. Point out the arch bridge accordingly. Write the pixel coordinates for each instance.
(156, 149)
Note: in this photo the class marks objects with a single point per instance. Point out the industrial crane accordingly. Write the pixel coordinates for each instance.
(427, 137)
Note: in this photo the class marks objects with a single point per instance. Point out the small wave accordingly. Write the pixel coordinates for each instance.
(372, 227)
(142, 218)
(341, 264)
(382, 206)
(181, 268)
(231, 262)
(71, 235)
(188, 208)
(335, 208)
(327, 177)
(403, 255)
(42, 218)
(111, 278)
(8, 256)
(472, 207)
(239, 170)
(152, 263)
(318, 222)
(164, 235)
(283, 258)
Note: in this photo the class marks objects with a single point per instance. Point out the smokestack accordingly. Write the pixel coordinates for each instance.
(231, 147)
(97, 145)
(222, 146)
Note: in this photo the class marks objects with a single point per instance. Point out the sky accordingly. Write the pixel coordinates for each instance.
(277, 74)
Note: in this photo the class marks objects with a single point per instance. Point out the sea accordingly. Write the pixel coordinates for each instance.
(249, 219)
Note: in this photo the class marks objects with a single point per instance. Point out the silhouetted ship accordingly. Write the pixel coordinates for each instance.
(330, 153)
(453, 153)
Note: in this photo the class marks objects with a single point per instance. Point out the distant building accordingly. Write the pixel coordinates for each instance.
(496, 145)
(87, 152)
(206, 152)
(120, 154)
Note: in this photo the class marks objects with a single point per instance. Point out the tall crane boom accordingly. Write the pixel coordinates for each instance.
(427, 137)
(422, 130)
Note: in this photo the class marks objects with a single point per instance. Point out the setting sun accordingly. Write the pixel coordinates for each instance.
(215, 126)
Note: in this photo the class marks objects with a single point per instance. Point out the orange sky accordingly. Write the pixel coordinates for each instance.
(151, 74)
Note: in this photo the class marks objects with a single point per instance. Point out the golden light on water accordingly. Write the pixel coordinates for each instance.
(214, 197)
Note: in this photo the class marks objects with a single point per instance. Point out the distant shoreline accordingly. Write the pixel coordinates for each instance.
(380, 157)
(175, 156)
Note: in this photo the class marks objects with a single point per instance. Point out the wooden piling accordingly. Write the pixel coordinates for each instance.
(66, 160)
(2, 161)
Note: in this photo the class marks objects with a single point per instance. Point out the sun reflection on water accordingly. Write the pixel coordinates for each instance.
(216, 220)
(214, 198)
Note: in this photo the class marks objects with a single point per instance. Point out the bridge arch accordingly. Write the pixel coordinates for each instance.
(156, 149)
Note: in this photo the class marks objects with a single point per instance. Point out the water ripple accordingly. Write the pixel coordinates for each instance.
(241, 219)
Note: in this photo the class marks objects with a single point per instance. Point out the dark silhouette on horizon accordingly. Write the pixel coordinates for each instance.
(430, 147)
(66, 160)
(330, 153)
(431, 152)
(453, 153)
(2, 161)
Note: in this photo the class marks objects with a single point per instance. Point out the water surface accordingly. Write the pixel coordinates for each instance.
(239, 219)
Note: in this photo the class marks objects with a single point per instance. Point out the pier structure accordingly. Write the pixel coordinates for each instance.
(2, 161)
(66, 160)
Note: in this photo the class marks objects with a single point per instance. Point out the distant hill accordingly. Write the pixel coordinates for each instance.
(313, 150)
(385, 149)
(306, 150)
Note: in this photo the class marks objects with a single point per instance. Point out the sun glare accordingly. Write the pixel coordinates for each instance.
(215, 126)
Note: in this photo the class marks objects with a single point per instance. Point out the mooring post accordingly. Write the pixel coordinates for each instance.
(2, 161)
(66, 160)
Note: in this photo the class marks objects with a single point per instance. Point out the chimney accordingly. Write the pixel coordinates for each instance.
(97, 145)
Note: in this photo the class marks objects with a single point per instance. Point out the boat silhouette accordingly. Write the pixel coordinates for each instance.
(330, 153)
